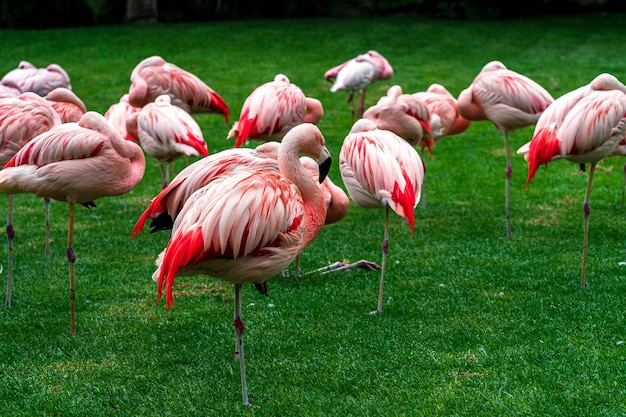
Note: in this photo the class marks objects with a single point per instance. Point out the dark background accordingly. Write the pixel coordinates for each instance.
(39, 14)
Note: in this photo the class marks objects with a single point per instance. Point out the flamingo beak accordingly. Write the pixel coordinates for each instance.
(324, 168)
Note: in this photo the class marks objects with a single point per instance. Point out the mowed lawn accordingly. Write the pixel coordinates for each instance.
(473, 323)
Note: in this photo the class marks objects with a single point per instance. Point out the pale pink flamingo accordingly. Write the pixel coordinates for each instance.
(65, 102)
(381, 170)
(17, 76)
(510, 101)
(272, 109)
(356, 74)
(7, 89)
(22, 118)
(154, 77)
(403, 114)
(248, 227)
(166, 132)
(76, 163)
(582, 126)
(47, 79)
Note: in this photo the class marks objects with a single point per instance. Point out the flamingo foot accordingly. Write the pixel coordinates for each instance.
(342, 266)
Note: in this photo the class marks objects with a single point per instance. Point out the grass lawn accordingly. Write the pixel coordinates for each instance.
(473, 324)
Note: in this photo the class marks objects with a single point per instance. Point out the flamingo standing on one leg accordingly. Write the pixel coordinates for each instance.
(76, 163)
(381, 170)
(356, 74)
(583, 126)
(272, 109)
(154, 77)
(247, 227)
(445, 119)
(510, 101)
(21, 118)
(70, 108)
(166, 132)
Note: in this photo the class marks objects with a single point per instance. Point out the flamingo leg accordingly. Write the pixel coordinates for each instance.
(507, 188)
(351, 101)
(297, 267)
(71, 260)
(361, 104)
(239, 329)
(385, 249)
(586, 212)
(10, 235)
(623, 186)
(46, 203)
(164, 175)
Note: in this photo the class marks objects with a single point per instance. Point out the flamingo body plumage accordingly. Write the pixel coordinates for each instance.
(153, 77)
(166, 132)
(65, 102)
(272, 109)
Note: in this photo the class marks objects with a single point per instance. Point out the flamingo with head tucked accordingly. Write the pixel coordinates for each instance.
(65, 102)
(166, 132)
(76, 163)
(381, 170)
(356, 74)
(154, 76)
(582, 126)
(510, 101)
(272, 109)
(249, 226)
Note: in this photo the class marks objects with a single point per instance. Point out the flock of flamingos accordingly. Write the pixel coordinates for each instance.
(245, 214)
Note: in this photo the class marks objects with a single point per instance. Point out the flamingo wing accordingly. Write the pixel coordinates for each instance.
(235, 217)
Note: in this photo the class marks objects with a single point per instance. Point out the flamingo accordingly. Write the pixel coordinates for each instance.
(166, 132)
(405, 115)
(272, 109)
(582, 126)
(445, 119)
(17, 76)
(22, 118)
(381, 170)
(76, 163)
(154, 76)
(356, 74)
(65, 102)
(510, 101)
(249, 226)
(46, 79)
(119, 112)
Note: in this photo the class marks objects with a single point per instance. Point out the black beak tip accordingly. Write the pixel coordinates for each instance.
(324, 168)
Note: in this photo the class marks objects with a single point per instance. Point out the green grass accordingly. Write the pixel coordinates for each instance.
(474, 323)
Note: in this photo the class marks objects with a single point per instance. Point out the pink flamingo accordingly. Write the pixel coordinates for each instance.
(119, 112)
(22, 118)
(356, 74)
(247, 227)
(381, 170)
(403, 114)
(445, 119)
(166, 132)
(76, 163)
(154, 77)
(582, 126)
(510, 101)
(272, 109)
(69, 106)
